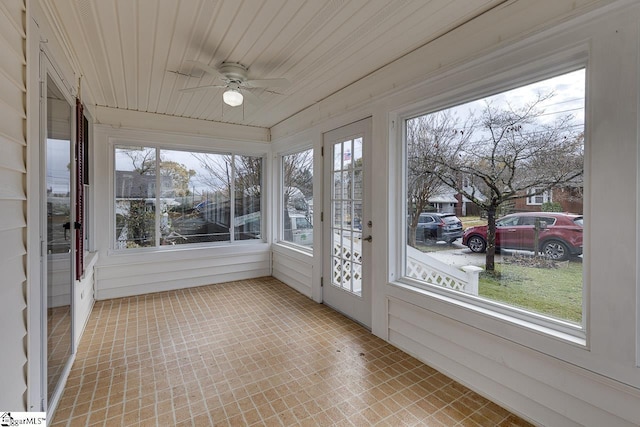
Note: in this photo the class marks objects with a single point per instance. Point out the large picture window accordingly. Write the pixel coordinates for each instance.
(170, 197)
(297, 198)
(480, 217)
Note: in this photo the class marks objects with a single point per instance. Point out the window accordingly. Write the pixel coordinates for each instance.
(171, 197)
(496, 155)
(297, 198)
(539, 196)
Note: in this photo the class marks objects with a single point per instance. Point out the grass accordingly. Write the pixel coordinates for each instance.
(472, 221)
(555, 292)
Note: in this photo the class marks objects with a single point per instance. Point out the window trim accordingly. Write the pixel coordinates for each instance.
(572, 59)
(116, 143)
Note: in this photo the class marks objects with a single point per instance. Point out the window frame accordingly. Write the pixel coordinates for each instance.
(159, 147)
(547, 197)
(570, 60)
(280, 201)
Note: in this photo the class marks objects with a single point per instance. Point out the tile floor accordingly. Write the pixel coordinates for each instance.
(58, 343)
(249, 353)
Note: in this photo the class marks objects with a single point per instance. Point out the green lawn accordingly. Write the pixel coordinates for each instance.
(472, 221)
(555, 292)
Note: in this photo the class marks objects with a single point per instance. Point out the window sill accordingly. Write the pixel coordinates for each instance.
(483, 314)
(187, 248)
(303, 250)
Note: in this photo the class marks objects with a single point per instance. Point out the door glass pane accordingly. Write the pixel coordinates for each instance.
(357, 150)
(337, 185)
(337, 157)
(346, 205)
(59, 230)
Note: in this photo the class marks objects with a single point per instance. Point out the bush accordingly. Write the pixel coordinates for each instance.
(551, 207)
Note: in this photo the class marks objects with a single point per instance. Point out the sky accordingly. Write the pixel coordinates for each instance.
(198, 183)
(58, 159)
(568, 98)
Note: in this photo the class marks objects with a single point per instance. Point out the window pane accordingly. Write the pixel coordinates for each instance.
(248, 196)
(194, 201)
(510, 156)
(210, 218)
(135, 192)
(297, 197)
(198, 195)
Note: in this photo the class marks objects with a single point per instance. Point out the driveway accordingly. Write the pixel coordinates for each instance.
(460, 256)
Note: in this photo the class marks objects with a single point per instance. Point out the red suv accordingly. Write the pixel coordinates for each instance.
(559, 235)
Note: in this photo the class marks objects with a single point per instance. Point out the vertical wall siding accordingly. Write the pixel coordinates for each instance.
(12, 204)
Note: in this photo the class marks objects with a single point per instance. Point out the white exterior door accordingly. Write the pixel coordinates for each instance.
(347, 224)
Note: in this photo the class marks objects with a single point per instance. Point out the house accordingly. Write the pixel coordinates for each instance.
(567, 198)
(448, 200)
(356, 72)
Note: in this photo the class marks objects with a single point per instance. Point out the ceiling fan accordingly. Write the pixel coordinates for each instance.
(236, 81)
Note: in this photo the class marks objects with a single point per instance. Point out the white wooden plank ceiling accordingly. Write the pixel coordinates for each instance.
(134, 53)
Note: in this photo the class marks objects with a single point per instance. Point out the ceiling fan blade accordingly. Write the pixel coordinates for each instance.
(197, 88)
(204, 67)
(267, 83)
(251, 97)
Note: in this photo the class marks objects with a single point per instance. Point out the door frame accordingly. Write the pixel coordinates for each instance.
(358, 308)
(38, 300)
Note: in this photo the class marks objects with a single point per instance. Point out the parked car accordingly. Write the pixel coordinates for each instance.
(559, 234)
(438, 226)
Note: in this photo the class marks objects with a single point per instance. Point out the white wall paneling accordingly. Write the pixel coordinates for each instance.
(293, 267)
(83, 298)
(178, 125)
(129, 275)
(13, 140)
(553, 393)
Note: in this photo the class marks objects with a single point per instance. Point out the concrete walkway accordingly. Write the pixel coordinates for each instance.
(460, 256)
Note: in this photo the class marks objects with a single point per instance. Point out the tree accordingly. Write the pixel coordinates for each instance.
(143, 159)
(237, 178)
(175, 178)
(248, 184)
(509, 153)
(297, 175)
(424, 135)
(297, 171)
(179, 175)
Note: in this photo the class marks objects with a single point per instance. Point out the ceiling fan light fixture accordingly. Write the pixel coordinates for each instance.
(232, 97)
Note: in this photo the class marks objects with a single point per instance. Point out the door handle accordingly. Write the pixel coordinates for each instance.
(368, 239)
